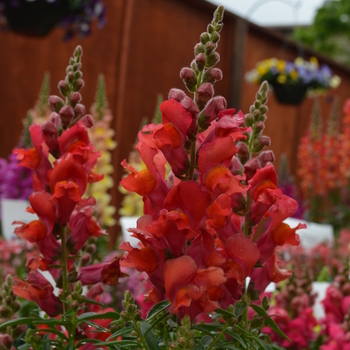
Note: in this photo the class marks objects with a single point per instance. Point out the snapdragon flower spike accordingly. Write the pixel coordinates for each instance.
(197, 235)
(66, 219)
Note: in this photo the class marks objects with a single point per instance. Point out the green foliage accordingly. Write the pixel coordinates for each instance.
(330, 32)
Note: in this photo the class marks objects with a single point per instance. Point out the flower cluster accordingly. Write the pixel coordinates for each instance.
(336, 305)
(198, 232)
(293, 312)
(62, 160)
(14, 255)
(323, 169)
(299, 73)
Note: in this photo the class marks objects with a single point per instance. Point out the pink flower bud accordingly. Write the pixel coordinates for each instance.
(55, 119)
(190, 106)
(49, 128)
(56, 102)
(212, 75)
(66, 113)
(75, 98)
(251, 167)
(235, 166)
(79, 110)
(78, 85)
(200, 61)
(187, 73)
(189, 78)
(176, 94)
(204, 93)
(87, 120)
(63, 87)
(214, 107)
(243, 152)
(6, 341)
(266, 157)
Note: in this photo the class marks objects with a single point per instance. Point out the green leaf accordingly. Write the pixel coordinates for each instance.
(160, 319)
(121, 332)
(203, 343)
(24, 346)
(240, 307)
(224, 313)
(48, 322)
(150, 338)
(269, 321)
(70, 346)
(96, 316)
(46, 344)
(263, 345)
(236, 337)
(252, 344)
(18, 321)
(130, 344)
(54, 331)
(87, 340)
(156, 309)
(226, 346)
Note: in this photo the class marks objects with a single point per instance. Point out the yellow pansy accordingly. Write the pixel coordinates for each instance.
(282, 79)
(294, 74)
(281, 65)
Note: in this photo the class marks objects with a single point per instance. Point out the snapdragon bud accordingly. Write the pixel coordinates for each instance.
(55, 119)
(66, 113)
(212, 59)
(266, 157)
(49, 128)
(250, 168)
(87, 120)
(56, 102)
(176, 94)
(243, 152)
(6, 341)
(204, 93)
(209, 47)
(200, 61)
(74, 98)
(204, 38)
(63, 87)
(199, 48)
(212, 75)
(78, 84)
(260, 143)
(189, 78)
(79, 111)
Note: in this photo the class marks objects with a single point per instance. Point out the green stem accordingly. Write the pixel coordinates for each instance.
(222, 333)
(65, 283)
(247, 211)
(139, 333)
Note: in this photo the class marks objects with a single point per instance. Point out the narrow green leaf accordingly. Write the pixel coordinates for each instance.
(70, 346)
(261, 343)
(46, 344)
(236, 337)
(252, 344)
(203, 343)
(18, 321)
(120, 332)
(97, 316)
(156, 309)
(269, 321)
(150, 338)
(160, 319)
(240, 307)
(226, 346)
(224, 313)
(87, 340)
(120, 344)
(48, 322)
(54, 331)
(24, 346)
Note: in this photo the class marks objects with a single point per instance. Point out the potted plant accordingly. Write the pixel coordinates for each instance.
(291, 81)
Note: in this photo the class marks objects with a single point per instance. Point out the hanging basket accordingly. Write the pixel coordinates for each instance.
(34, 18)
(289, 94)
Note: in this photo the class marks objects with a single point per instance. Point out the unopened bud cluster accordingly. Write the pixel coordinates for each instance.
(76, 299)
(296, 295)
(184, 335)
(69, 112)
(202, 74)
(131, 311)
(255, 141)
(9, 306)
